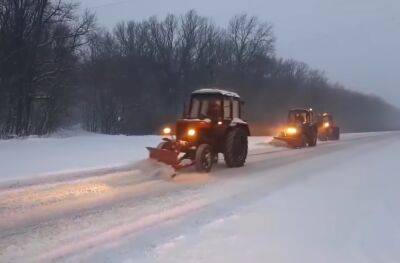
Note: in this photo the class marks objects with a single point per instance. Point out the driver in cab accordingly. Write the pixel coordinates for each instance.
(214, 110)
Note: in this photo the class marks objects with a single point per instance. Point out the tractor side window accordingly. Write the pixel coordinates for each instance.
(205, 109)
(194, 111)
(236, 109)
(227, 108)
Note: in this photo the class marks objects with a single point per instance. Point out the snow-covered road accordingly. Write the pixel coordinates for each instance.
(337, 202)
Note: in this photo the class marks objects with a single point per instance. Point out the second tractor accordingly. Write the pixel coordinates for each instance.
(301, 129)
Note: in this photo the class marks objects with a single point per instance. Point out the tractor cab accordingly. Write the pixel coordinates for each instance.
(212, 124)
(300, 116)
(211, 112)
(325, 120)
(215, 105)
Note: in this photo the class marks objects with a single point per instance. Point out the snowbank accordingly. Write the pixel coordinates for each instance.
(24, 158)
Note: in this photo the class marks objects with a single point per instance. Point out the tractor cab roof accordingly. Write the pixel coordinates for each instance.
(300, 110)
(326, 116)
(216, 92)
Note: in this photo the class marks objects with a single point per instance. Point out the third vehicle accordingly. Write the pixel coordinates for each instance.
(327, 128)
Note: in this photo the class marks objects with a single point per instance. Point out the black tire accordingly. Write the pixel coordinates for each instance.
(312, 142)
(236, 148)
(204, 159)
(336, 134)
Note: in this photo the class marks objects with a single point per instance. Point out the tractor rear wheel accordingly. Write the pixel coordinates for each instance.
(204, 159)
(236, 148)
(335, 134)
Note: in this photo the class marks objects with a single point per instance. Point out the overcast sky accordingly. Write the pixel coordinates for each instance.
(356, 42)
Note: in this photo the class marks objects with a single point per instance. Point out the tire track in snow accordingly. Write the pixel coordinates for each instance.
(121, 231)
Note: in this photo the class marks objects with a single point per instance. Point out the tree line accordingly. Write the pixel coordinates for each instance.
(39, 45)
(57, 67)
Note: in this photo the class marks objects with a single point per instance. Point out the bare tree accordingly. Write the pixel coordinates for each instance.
(250, 38)
(38, 42)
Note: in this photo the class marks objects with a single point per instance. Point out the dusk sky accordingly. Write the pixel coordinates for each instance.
(356, 42)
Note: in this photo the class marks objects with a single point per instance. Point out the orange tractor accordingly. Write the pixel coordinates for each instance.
(301, 129)
(213, 124)
(327, 128)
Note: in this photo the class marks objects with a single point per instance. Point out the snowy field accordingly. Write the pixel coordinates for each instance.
(92, 198)
(69, 152)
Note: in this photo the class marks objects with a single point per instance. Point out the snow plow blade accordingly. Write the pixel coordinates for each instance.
(282, 141)
(285, 139)
(164, 156)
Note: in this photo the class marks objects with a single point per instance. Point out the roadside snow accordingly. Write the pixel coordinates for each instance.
(24, 158)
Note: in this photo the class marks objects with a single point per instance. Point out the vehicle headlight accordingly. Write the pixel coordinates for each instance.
(167, 130)
(291, 130)
(326, 125)
(191, 132)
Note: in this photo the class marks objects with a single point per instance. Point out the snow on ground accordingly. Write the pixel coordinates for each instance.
(346, 211)
(337, 202)
(68, 152)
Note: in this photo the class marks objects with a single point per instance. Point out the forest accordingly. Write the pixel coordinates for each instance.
(58, 68)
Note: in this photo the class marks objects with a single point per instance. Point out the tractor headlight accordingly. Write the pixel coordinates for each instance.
(167, 130)
(326, 125)
(291, 131)
(191, 132)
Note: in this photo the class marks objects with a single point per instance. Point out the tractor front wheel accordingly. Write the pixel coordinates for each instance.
(236, 147)
(204, 159)
(313, 141)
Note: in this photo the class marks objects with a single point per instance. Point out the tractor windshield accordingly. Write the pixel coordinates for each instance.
(203, 107)
(327, 118)
(297, 117)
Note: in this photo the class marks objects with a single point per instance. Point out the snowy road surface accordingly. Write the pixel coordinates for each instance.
(338, 202)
